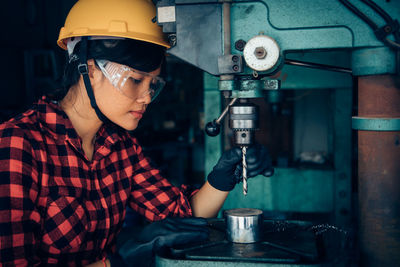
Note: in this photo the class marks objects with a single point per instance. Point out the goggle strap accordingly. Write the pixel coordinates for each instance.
(83, 70)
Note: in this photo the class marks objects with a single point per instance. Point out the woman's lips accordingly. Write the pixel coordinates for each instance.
(137, 114)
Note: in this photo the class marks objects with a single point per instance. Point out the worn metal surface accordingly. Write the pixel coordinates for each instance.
(282, 242)
(379, 174)
(302, 24)
(199, 35)
(376, 124)
(288, 190)
(375, 60)
(295, 77)
(296, 25)
(212, 109)
(248, 88)
(342, 149)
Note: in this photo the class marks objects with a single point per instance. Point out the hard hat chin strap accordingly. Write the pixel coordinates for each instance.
(84, 71)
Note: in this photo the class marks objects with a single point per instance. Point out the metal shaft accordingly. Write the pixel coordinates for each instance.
(218, 121)
(244, 150)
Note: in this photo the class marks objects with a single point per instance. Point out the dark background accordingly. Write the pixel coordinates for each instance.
(33, 65)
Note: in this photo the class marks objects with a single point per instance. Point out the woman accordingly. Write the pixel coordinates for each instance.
(69, 168)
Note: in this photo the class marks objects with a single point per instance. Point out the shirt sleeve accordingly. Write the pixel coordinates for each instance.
(154, 196)
(19, 218)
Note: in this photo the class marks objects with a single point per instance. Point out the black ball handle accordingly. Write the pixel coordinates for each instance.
(213, 128)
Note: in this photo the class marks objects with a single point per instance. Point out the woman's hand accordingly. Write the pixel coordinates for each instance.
(228, 171)
(137, 247)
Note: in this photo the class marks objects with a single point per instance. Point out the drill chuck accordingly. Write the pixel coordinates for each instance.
(243, 120)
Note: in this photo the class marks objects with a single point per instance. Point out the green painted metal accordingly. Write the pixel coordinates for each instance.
(376, 124)
(248, 88)
(294, 77)
(275, 96)
(370, 61)
(342, 152)
(212, 107)
(312, 25)
(288, 190)
(305, 25)
(227, 85)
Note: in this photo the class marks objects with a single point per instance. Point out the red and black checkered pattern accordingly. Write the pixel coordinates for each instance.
(59, 208)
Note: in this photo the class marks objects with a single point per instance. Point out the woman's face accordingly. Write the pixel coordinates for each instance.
(124, 109)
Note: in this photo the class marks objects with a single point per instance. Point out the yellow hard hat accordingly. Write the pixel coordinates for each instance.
(133, 19)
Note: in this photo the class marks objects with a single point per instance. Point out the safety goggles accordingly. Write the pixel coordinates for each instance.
(126, 79)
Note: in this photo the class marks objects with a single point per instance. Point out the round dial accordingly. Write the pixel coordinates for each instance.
(261, 53)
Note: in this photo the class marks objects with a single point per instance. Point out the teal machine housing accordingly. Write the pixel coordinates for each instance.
(314, 38)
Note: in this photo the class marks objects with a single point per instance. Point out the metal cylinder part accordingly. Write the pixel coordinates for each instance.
(244, 225)
(243, 120)
(379, 173)
(243, 137)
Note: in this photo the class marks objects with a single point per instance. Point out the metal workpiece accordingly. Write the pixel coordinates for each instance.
(244, 225)
(379, 173)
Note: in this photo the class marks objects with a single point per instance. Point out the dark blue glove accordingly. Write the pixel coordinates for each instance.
(137, 247)
(228, 171)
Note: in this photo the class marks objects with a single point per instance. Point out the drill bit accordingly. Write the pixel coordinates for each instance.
(244, 174)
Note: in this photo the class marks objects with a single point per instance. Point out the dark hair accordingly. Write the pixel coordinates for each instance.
(139, 55)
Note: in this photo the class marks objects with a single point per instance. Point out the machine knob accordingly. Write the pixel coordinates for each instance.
(212, 128)
(261, 53)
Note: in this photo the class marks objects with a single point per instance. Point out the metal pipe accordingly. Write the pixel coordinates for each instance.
(226, 10)
(226, 13)
(317, 66)
(379, 173)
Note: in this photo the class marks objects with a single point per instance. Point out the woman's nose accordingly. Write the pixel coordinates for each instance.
(144, 97)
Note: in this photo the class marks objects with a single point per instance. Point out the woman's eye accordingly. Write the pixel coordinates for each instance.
(136, 81)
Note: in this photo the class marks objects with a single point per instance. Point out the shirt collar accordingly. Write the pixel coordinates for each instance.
(55, 121)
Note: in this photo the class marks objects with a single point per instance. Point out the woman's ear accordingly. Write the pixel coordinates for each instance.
(95, 73)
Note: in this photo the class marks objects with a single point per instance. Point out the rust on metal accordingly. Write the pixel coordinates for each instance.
(379, 173)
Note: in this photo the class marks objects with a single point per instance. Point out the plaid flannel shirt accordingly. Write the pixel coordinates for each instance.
(59, 208)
